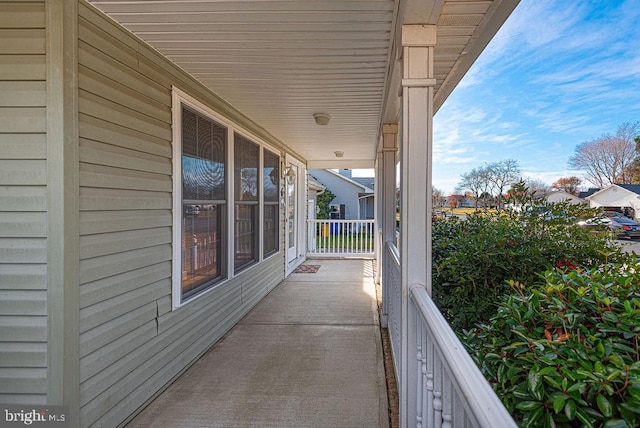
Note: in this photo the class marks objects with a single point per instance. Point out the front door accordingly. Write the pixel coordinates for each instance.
(292, 211)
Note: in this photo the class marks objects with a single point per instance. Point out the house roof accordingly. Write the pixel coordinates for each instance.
(366, 181)
(588, 193)
(633, 188)
(364, 188)
(314, 184)
(279, 62)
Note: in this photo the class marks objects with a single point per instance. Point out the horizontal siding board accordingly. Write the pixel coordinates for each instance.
(23, 277)
(22, 67)
(23, 224)
(93, 105)
(157, 372)
(23, 146)
(24, 399)
(23, 354)
(22, 94)
(96, 129)
(22, 15)
(112, 352)
(100, 62)
(164, 305)
(105, 311)
(22, 42)
(93, 199)
(100, 336)
(93, 152)
(21, 198)
(23, 172)
(116, 285)
(113, 264)
(107, 177)
(114, 221)
(104, 87)
(169, 350)
(24, 328)
(107, 43)
(116, 242)
(23, 380)
(23, 250)
(23, 302)
(23, 119)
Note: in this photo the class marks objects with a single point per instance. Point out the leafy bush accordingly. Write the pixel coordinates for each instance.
(565, 353)
(473, 258)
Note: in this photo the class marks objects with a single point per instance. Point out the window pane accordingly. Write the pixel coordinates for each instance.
(245, 233)
(270, 229)
(245, 169)
(271, 173)
(203, 157)
(201, 245)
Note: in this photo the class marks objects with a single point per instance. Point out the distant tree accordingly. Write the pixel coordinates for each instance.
(437, 197)
(323, 203)
(536, 187)
(568, 184)
(608, 159)
(475, 182)
(501, 175)
(454, 200)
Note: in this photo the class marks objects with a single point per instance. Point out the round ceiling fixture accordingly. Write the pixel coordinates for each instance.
(321, 118)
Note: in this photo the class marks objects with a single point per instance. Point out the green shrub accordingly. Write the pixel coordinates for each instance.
(565, 353)
(473, 258)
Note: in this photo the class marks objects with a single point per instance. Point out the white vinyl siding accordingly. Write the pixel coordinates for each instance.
(23, 227)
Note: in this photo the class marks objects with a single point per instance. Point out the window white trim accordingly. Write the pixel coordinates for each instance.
(179, 98)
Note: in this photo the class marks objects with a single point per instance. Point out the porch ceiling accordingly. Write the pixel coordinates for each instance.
(281, 61)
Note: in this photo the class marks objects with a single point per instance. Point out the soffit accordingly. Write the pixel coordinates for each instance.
(279, 62)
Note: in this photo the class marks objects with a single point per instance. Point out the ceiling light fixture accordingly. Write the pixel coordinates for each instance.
(339, 153)
(321, 118)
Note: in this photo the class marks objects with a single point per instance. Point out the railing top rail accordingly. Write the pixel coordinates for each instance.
(483, 403)
(393, 250)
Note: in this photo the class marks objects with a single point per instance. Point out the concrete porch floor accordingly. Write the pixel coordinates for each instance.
(308, 355)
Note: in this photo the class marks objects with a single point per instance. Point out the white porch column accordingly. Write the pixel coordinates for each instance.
(418, 80)
(378, 216)
(388, 184)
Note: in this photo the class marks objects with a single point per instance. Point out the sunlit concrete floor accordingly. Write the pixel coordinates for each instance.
(308, 355)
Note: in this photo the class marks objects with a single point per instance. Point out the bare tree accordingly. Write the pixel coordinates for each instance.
(536, 186)
(608, 159)
(474, 182)
(501, 175)
(437, 197)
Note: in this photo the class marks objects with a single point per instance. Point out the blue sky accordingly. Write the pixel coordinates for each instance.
(557, 73)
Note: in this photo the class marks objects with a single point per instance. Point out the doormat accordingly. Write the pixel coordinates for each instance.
(307, 269)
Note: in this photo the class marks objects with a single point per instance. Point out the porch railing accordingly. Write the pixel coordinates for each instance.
(444, 386)
(341, 238)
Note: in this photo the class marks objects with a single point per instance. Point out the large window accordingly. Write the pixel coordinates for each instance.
(227, 197)
(245, 175)
(271, 180)
(203, 202)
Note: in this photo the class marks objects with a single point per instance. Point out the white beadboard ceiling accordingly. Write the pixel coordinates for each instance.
(281, 61)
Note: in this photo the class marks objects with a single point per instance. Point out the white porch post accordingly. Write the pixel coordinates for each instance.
(418, 80)
(379, 243)
(388, 184)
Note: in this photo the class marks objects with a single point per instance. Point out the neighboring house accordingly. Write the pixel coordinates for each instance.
(624, 198)
(356, 199)
(562, 196)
